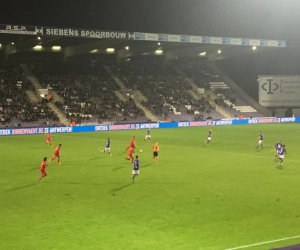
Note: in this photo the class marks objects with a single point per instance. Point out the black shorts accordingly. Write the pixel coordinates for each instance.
(155, 154)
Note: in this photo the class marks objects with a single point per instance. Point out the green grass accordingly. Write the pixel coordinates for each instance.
(213, 197)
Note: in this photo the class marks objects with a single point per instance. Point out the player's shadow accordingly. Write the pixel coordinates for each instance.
(120, 188)
(95, 158)
(147, 165)
(117, 168)
(280, 167)
(21, 187)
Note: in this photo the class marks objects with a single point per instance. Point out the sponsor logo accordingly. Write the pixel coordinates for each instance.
(61, 130)
(228, 122)
(252, 121)
(149, 125)
(101, 128)
(270, 86)
(267, 120)
(183, 124)
(5, 132)
(197, 124)
(288, 119)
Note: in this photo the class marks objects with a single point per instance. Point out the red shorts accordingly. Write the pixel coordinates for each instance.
(43, 172)
(56, 155)
(47, 141)
(130, 155)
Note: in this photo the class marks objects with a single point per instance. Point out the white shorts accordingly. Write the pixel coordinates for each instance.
(107, 149)
(281, 156)
(148, 136)
(208, 138)
(137, 172)
(260, 142)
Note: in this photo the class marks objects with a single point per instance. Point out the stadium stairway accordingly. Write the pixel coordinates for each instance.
(32, 96)
(36, 83)
(136, 96)
(207, 95)
(56, 98)
(120, 96)
(242, 94)
(139, 96)
(193, 94)
(62, 118)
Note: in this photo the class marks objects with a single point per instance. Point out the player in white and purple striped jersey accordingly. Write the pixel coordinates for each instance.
(136, 168)
(209, 136)
(278, 145)
(281, 153)
(148, 135)
(107, 147)
(260, 140)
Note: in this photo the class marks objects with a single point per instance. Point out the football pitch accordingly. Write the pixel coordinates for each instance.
(227, 195)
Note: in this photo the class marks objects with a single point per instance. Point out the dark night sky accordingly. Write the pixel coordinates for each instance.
(270, 19)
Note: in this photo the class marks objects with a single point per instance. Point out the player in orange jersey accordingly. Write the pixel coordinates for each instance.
(49, 140)
(131, 144)
(56, 154)
(155, 149)
(130, 155)
(43, 169)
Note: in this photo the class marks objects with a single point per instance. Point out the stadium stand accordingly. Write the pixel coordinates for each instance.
(223, 96)
(166, 91)
(88, 92)
(16, 109)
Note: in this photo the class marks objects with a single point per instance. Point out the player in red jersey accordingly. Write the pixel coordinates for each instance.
(49, 140)
(130, 155)
(56, 154)
(43, 169)
(131, 144)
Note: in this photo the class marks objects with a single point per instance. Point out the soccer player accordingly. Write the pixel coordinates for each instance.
(130, 155)
(155, 149)
(136, 168)
(148, 136)
(281, 153)
(49, 140)
(131, 144)
(56, 154)
(260, 140)
(209, 136)
(107, 147)
(43, 169)
(278, 145)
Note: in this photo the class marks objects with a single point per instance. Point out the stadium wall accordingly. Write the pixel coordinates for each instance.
(156, 125)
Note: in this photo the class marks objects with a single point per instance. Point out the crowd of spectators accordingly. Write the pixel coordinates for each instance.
(15, 107)
(88, 92)
(163, 86)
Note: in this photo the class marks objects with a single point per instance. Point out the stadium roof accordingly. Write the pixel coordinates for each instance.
(73, 42)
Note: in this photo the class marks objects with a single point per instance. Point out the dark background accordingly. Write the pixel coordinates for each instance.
(269, 19)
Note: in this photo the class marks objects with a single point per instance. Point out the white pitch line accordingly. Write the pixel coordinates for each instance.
(264, 243)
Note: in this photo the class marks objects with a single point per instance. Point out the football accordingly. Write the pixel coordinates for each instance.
(141, 151)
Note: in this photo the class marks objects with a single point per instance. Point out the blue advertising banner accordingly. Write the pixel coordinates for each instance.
(133, 126)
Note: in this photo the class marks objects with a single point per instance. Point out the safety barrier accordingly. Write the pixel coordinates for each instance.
(114, 127)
